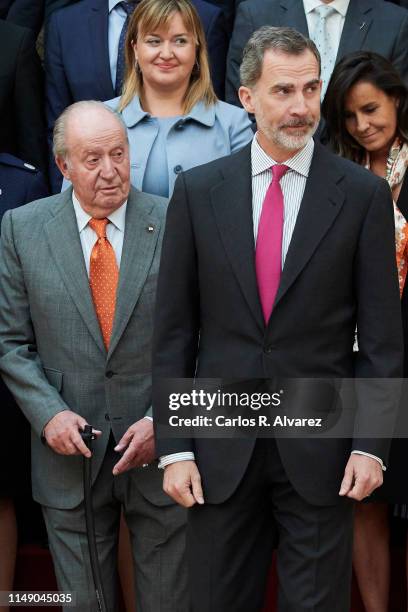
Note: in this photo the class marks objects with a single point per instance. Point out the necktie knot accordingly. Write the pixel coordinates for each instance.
(128, 7)
(324, 11)
(278, 170)
(99, 226)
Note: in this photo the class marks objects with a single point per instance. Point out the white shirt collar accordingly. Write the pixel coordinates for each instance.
(118, 216)
(300, 162)
(341, 6)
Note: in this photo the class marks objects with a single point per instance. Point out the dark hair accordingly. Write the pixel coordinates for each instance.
(361, 67)
(285, 40)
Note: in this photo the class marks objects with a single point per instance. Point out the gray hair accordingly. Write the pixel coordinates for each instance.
(286, 40)
(59, 147)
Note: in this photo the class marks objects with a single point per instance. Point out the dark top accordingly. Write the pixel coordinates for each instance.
(22, 124)
(20, 183)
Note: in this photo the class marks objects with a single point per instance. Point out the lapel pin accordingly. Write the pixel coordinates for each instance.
(150, 228)
(362, 25)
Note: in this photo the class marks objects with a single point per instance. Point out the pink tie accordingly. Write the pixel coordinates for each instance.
(268, 255)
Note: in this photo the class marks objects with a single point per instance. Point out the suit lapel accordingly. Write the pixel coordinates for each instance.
(322, 202)
(64, 242)
(356, 26)
(139, 247)
(293, 15)
(232, 204)
(98, 36)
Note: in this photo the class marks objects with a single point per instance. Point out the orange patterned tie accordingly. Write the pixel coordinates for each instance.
(103, 278)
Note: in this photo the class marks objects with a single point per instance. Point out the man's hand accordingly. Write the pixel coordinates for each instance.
(62, 434)
(182, 481)
(361, 476)
(139, 444)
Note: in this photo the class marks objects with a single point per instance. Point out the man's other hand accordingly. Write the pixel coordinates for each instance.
(62, 434)
(182, 481)
(138, 441)
(361, 476)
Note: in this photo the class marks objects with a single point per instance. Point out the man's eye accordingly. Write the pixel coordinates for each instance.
(92, 160)
(118, 154)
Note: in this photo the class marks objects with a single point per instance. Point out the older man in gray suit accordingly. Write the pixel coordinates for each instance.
(77, 288)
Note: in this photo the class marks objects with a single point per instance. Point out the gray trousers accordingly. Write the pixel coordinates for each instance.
(157, 536)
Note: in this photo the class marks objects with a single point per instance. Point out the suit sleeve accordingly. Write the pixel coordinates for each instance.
(400, 53)
(243, 28)
(27, 13)
(20, 364)
(379, 327)
(176, 335)
(57, 92)
(29, 104)
(217, 43)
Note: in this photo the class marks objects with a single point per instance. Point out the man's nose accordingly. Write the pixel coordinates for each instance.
(299, 106)
(107, 168)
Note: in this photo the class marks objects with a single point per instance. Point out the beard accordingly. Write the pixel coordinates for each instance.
(294, 141)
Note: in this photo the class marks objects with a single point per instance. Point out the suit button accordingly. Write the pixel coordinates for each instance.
(268, 349)
(109, 374)
(107, 417)
(178, 169)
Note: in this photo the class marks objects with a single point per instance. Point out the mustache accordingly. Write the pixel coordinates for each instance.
(307, 122)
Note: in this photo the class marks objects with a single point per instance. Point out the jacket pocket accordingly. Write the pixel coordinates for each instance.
(54, 377)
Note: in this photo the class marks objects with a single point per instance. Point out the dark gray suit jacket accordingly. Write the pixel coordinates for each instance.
(373, 25)
(339, 272)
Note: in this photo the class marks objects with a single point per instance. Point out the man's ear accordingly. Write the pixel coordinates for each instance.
(63, 166)
(246, 95)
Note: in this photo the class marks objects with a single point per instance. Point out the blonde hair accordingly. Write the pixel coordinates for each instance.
(151, 15)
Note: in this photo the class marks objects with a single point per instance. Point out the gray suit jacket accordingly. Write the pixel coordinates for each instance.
(52, 355)
(372, 25)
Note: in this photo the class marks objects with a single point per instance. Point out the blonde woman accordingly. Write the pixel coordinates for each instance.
(174, 119)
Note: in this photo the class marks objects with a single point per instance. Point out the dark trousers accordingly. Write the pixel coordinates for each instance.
(229, 545)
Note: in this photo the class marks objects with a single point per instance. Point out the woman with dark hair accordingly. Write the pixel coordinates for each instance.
(366, 113)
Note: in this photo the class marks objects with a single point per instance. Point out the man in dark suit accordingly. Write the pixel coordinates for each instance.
(22, 125)
(229, 7)
(225, 308)
(80, 55)
(374, 25)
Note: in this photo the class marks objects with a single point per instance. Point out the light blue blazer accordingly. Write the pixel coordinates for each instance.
(203, 135)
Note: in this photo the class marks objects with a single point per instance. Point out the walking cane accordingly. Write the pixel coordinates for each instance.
(87, 437)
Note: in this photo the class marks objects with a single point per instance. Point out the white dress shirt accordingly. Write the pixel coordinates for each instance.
(293, 184)
(334, 22)
(117, 17)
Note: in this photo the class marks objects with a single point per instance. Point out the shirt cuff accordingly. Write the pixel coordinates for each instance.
(149, 418)
(174, 458)
(380, 461)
